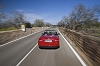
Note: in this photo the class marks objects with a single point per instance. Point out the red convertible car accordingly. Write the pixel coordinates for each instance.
(49, 39)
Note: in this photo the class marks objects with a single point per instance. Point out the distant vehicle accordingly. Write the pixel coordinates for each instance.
(49, 39)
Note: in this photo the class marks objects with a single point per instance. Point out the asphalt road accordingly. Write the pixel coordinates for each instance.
(12, 53)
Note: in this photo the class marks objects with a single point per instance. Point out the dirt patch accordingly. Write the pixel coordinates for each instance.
(82, 55)
(87, 44)
(7, 36)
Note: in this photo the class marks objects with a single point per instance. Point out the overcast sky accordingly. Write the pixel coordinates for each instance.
(48, 10)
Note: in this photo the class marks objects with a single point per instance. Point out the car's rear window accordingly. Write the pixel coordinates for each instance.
(50, 32)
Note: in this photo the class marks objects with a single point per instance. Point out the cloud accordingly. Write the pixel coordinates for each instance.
(52, 21)
(32, 17)
(19, 10)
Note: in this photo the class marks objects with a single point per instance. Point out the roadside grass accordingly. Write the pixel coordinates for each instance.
(94, 32)
(7, 29)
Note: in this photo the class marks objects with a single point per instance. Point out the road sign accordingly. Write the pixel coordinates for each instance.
(23, 28)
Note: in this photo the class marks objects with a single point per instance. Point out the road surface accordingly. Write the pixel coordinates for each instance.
(13, 53)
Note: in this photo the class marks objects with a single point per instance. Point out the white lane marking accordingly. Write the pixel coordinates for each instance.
(17, 39)
(26, 55)
(77, 55)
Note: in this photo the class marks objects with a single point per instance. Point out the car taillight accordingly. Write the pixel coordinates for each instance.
(40, 40)
(56, 40)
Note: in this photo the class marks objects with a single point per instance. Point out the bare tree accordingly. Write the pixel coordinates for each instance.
(15, 19)
(60, 24)
(81, 16)
(96, 10)
(2, 15)
(18, 18)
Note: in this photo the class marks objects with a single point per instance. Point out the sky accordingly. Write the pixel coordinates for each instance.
(49, 10)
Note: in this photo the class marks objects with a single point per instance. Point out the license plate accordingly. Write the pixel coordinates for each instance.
(48, 41)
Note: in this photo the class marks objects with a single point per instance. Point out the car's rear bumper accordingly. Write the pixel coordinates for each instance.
(48, 44)
(51, 47)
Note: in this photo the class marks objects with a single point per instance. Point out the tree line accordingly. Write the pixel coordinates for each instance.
(16, 18)
(41, 23)
(13, 19)
(81, 17)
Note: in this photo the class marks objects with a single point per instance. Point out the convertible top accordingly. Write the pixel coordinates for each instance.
(50, 32)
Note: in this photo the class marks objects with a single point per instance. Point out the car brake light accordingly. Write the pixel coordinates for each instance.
(40, 40)
(56, 40)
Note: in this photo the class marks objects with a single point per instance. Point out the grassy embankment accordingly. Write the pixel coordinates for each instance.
(7, 29)
(94, 32)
